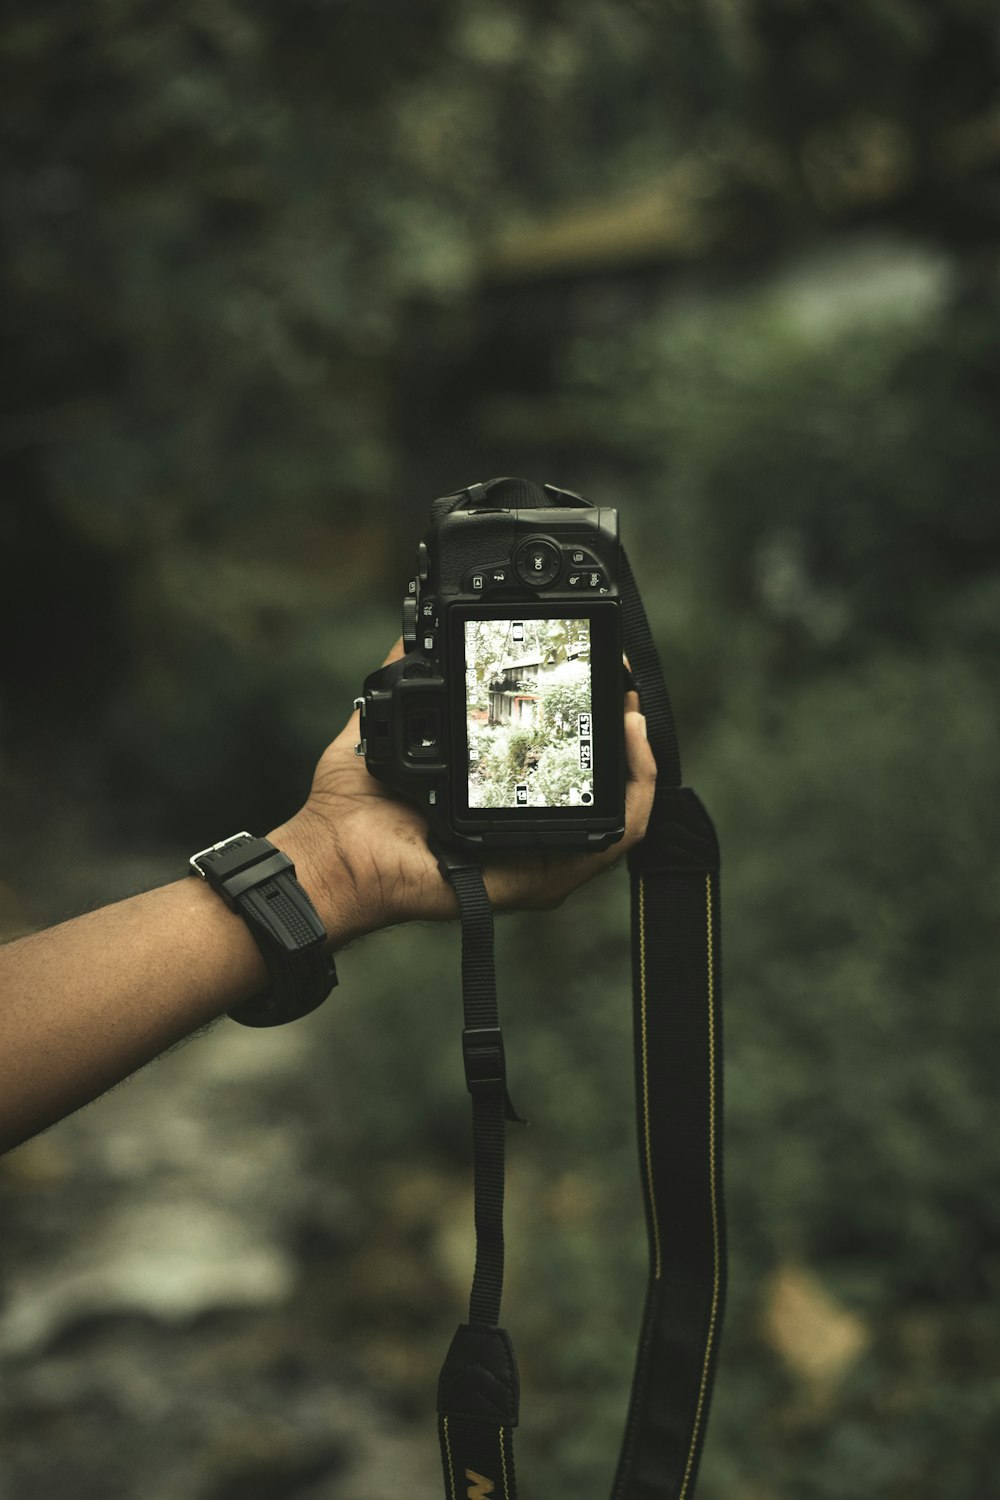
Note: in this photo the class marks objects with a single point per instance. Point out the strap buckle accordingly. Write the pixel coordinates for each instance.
(484, 1058)
(486, 1066)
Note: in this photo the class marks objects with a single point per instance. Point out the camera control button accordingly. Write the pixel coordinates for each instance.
(423, 562)
(581, 559)
(484, 579)
(576, 579)
(594, 579)
(537, 563)
(409, 624)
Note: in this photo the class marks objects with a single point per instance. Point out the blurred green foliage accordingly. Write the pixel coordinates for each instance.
(274, 276)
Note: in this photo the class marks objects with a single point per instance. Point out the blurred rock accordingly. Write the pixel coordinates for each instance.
(172, 1260)
(817, 1337)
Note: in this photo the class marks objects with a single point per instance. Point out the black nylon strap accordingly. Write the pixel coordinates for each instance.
(644, 662)
(478, 1385)
(678, 1066)
(485, 1073)
(478, 1460)
(477, 1412)
(677, 1028)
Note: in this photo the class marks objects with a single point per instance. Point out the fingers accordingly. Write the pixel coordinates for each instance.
(639, 760)
(640, 767)
(641, 785)
(541, 883)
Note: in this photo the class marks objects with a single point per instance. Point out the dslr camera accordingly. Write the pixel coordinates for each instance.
(502, 722)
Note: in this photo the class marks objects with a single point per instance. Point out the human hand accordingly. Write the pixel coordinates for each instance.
(362, 853)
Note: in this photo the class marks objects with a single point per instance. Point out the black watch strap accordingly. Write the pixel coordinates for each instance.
(257, 881)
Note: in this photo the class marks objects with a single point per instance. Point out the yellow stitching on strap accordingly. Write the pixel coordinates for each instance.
(647, 1148)
(712, 1178)
(503, 1465)
(447, 1449)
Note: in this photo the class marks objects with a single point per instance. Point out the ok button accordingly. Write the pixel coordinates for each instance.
(537, 563)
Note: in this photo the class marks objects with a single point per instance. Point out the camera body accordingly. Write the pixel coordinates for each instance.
(502, 722)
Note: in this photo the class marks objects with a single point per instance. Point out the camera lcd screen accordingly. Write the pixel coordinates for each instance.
(537, 742)
(529, 713)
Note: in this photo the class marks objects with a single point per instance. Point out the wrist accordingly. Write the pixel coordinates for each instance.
(315, 854)
(257, 880)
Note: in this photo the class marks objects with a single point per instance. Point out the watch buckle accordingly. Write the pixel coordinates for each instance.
(193, 861)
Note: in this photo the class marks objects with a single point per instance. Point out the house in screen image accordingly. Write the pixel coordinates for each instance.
(517, 690)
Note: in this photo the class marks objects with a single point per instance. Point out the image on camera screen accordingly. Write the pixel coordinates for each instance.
(528, 713)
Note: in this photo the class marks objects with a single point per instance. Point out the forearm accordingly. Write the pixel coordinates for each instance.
(85, 1004)
(88, 1002)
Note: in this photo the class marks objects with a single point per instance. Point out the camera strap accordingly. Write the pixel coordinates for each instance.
(677, 1025)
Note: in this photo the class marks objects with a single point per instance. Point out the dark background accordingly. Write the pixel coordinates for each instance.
(274, 275)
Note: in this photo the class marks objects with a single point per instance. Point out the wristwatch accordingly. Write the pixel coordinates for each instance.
(257, 881)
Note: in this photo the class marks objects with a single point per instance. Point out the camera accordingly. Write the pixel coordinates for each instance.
(502, 722)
